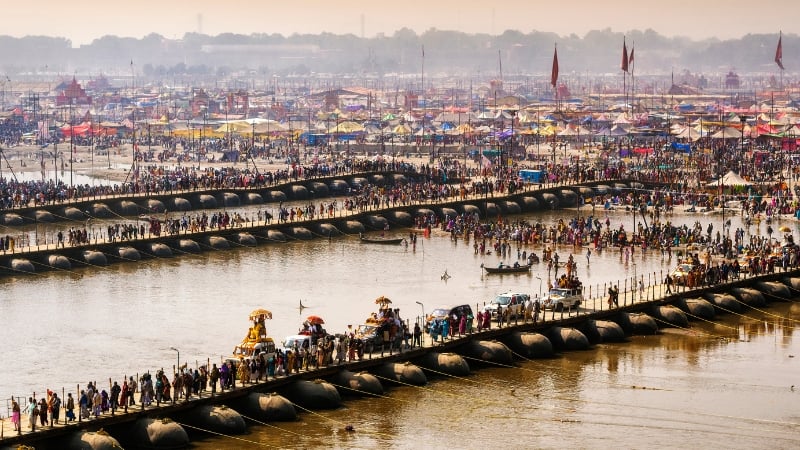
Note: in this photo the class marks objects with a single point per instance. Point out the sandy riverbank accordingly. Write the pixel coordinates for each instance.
(25, 161)
(114, 165)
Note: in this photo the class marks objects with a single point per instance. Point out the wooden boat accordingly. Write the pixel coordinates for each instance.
(393, 241)
(507, 269)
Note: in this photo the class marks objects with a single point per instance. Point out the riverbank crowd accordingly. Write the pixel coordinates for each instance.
(771, 176)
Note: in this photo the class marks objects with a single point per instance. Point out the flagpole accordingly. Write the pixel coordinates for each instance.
(554, 76)
(632, 63)
(422, 94)
(779, 56)
(500, 65)
(624, 67)
(780, 39)
(133, 142)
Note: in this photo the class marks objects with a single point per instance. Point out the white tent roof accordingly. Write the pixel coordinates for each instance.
(731, 179)
(621, 120)
(727, 133)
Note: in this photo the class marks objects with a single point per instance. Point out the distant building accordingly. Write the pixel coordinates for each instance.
(99, 84)
(731, 80)
(201, 101)
(73, 94)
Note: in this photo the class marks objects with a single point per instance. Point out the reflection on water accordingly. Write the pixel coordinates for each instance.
(713, 384)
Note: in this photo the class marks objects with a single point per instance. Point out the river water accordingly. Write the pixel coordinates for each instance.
(718, 386)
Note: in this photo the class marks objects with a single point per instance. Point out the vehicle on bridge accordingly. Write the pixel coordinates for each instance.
(559, 298)
(513, 302)
(256, 344)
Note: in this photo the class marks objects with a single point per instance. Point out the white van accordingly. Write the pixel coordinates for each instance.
(514, 302)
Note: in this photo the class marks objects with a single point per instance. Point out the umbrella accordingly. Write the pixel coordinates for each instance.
(784, 229)
(315, 320)
(382, 301)
(259, 313)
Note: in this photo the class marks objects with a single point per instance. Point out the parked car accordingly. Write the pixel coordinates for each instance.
(514, 302)
(559, 298)
(447, 311)
(297, 341)
(680, 274)
(371, 335)
(263, 349)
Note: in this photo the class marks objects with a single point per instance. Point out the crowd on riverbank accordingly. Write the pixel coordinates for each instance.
(713, 255)
(687, 180)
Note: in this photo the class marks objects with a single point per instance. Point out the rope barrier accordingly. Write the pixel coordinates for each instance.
(449, 375)
(488, 362)
(711, 322)
(25, 272)
(691, 330)
(49, 267)
(377, 433)
(761, 311)
(369, 393)
(267, 424)
(87, 263)
(425, 388)
(227, 435)
(783, 299)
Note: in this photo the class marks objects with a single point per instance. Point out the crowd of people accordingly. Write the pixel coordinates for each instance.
(503, 236)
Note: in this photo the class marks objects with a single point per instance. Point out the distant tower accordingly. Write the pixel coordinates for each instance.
(362, 25)
(199, 24)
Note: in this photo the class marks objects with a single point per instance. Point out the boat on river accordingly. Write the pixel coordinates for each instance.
(507, 269)
(384, 241)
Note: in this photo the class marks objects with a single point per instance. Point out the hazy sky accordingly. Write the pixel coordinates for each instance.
(85, 20)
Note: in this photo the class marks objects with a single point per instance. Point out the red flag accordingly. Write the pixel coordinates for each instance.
(624, 56)
(630, 58)
(554, 73)
(779, 52)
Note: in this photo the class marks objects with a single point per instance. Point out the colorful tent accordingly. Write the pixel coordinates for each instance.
(82, 129)
(346, 128)
(727, 133)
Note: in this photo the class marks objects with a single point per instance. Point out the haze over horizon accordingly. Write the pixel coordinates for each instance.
(172, 19)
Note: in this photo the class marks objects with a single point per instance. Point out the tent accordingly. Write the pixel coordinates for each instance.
(730, 179)
(465, 128)
(82, 129)
(727, 133)
(617, 130)
(402, 129)
(621, 120)
(347, 128)
(689, 133)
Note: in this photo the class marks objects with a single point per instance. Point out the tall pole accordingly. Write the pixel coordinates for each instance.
(632, 62)
(91, 140)
(71, 141)
(422, 93)
(133, 142)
